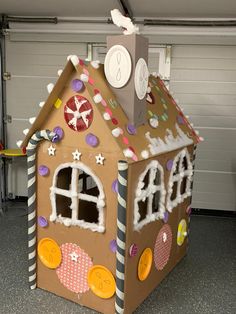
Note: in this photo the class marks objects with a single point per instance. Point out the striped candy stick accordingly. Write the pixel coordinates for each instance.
(31, 161)
(121, 235)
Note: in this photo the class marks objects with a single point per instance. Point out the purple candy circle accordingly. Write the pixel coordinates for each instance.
(189, 210)
(43, 170)
(91, 140)
(42, 221)
(169, 164)
(133, 250)
(55, 138)
(180, 120)
(115, 186)
(166, 217)
(58, 130)
(77, 85)
(113, 246)
(131, 129)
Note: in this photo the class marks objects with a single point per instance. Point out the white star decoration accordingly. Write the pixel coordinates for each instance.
(100, 159)
(51, 150)
(164, 237)
(74, 256)
(77, 114)
(76, 155)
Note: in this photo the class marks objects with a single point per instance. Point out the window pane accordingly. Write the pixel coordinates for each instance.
(176, 171)
(183, 185)
(63, 206)
(174, 192)
(87, 185)
(146, 180)
(157, 180)
(64, 178)
(185, 163)
(88, 211)
(155, 201)
(142, 209)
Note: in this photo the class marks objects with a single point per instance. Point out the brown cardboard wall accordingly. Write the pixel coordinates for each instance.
(135, 290)
(95, 244)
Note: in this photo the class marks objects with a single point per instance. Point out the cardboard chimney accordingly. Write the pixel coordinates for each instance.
(127, 73)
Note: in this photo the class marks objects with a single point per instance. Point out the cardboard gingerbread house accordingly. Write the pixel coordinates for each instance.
(110, 172)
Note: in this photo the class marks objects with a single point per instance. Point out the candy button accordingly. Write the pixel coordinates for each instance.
(189, 210)
(182, 232)
(169, 164)
(42, 221)
(77, 85)
(153, 122)
(43, 170)
(131, 129)
(133, 250)
(113, 246)
(55, 138)
(145, 264)
(91, 140)
(58, 130)
(114, 121)
(101, 282)
(115, 186)
(180, 119)
(166, 217)
(49, 253)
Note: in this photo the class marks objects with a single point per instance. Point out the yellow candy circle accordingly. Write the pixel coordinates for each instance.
(49, 253)
(101, 281)
(182, 232)
(145, 264)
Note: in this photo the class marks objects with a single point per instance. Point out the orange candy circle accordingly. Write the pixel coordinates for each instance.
(145, 264)
(49, 253)
(101, 282)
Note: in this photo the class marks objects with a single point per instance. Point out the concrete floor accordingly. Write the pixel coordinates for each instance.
(204, 282)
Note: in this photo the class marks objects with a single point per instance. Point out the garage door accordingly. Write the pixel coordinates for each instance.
(203, 79)
(32, 66)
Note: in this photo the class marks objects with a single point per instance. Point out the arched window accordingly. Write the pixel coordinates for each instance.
(77, 197)
(150, 195)
(180, 180)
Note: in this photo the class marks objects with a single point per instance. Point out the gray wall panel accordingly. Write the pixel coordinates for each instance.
(32, 66)
(203, 79)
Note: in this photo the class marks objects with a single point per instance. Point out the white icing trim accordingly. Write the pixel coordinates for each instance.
(19, 143)
(75, 60)
(50, 87)
(148, 193)
(158, 146)
(178, 177)
(75, 196)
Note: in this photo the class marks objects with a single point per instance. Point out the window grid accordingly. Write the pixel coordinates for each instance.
(74, 194)
(148, 193)
(178, 174)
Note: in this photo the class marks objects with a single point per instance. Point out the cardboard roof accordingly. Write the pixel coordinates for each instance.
(166, 129)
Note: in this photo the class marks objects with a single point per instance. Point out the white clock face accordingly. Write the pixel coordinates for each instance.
(117, 66)
(141, 78)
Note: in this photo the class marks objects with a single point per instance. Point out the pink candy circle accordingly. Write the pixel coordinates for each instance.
(74, 268)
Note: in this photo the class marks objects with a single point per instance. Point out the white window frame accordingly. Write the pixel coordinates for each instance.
(178, 177)
(148, 193)
(74, 194)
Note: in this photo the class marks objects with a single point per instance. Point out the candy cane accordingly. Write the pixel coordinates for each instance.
(121, 235)
(31, 161)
